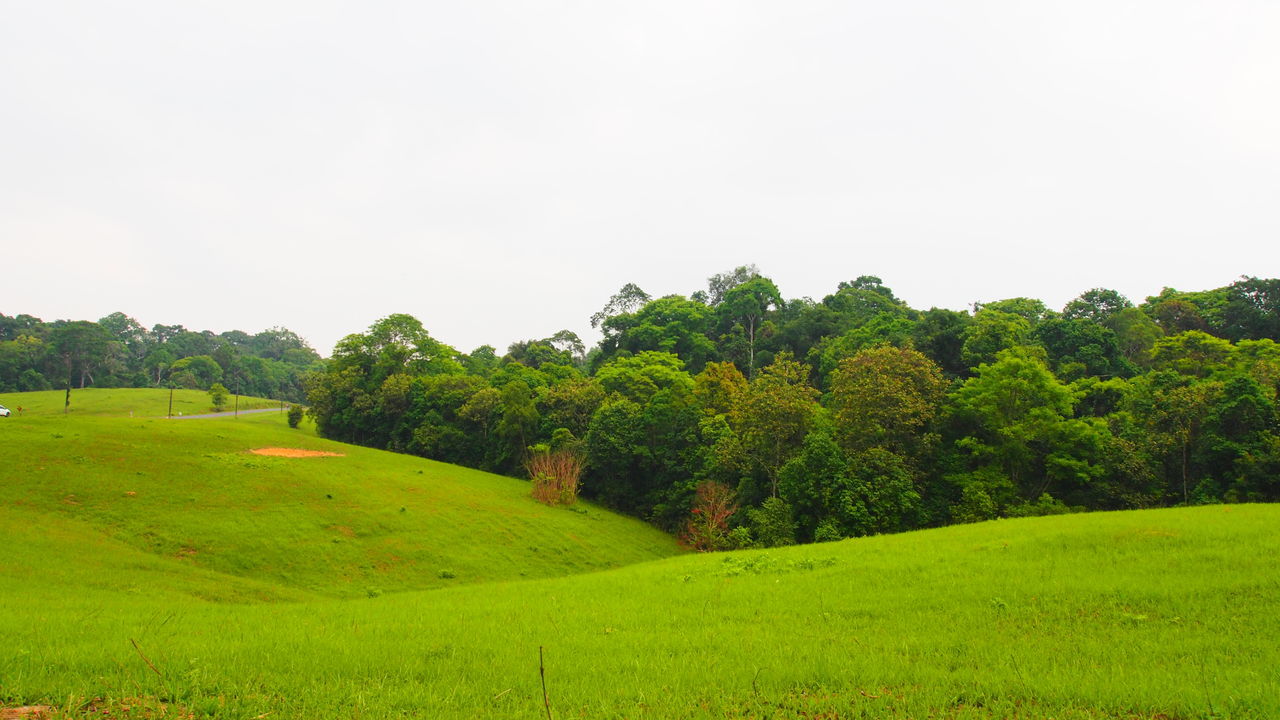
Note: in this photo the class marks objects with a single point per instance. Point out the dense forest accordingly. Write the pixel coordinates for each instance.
(117, 351)
(739, 417)
(743, 417)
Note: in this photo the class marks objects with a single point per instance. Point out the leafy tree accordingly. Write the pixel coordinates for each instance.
(719, 285)
(1029, 309)
(1097, 305)
(772, 523)
(940, 335)
(1079, 348)
(882, 497)
(880, 329)
(218, 396)
(1136, 334)
(741, 315)
(80, 346)
(197, 371)
(517, 420)
(129, 332)
(991, 332)
(1014, 409)
(884, 398)
(570, 405)
(1191, 353)
(776, 414)
(1173, 409)
(670, 324)
(815, 482)
(642, 376)
(1252, 310)
(719, 388)
(629, 299)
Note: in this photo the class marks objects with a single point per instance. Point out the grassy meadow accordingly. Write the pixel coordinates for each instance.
(154, 568)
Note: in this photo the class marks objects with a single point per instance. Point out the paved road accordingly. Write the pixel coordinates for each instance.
(224, 414)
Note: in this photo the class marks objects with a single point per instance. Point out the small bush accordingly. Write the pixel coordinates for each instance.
(554, 475)
(1046, 505)
(708, 525)
(975, 505)
(218, 394)
(773, 523)
(295, 415)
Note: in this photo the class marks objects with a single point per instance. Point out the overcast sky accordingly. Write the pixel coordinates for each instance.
(499, 170)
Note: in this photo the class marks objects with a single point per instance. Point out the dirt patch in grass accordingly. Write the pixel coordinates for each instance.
(24, 712)
(293, 452)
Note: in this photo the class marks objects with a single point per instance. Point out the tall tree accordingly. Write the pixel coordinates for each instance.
(884, 398)
(776, 414)
(742, 312)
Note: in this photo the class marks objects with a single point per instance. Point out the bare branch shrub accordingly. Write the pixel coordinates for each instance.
(708, 526)
(554, 476)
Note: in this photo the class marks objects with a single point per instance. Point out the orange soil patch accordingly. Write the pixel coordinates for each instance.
(26, 711)
(293, 452)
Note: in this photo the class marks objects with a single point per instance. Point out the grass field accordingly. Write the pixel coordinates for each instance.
(123, 402)
(361, 524)
(1152, 614)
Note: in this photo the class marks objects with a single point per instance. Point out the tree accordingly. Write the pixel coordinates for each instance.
(1252, 311)
(80, 346)
(720, 284)
(991, 332)
(1097, 305)
(1029, 309)
(884, 398)
(742, 312)
(776, 414)
(1192, 353)
(1013, 410)
(670, 324)
(772, 523)
(197, 371)
(1136, 333)
(629, 299)
(570, 405)
(218, 396)
(1173, 409)
(518, 419)
(815, 482)
(940, 334)
(719, 388)
(1082, 347)
(882, 496)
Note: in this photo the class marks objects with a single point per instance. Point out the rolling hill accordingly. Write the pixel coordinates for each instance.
(1157, 614)
(353, 523)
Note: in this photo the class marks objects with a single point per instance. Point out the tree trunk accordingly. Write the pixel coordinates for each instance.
(1185, 443)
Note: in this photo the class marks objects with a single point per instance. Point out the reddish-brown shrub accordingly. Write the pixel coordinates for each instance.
(554, 476)
(708, 526)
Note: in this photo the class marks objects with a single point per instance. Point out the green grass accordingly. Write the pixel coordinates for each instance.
(1152, 614)
(122, 402)
(365, 523)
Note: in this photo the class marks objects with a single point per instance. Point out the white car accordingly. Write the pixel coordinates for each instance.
(4, 411)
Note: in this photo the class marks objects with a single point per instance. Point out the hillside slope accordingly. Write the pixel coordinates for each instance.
(360, 523)
(1151, 614)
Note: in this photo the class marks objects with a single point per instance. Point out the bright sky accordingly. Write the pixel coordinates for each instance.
(500, 169)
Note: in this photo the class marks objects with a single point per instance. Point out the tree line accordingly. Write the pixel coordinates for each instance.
(742, 417)
(117, 351)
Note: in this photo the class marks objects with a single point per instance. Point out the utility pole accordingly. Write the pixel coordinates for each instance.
(170, 400)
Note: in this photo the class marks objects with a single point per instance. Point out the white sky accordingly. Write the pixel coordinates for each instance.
(500, 169)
